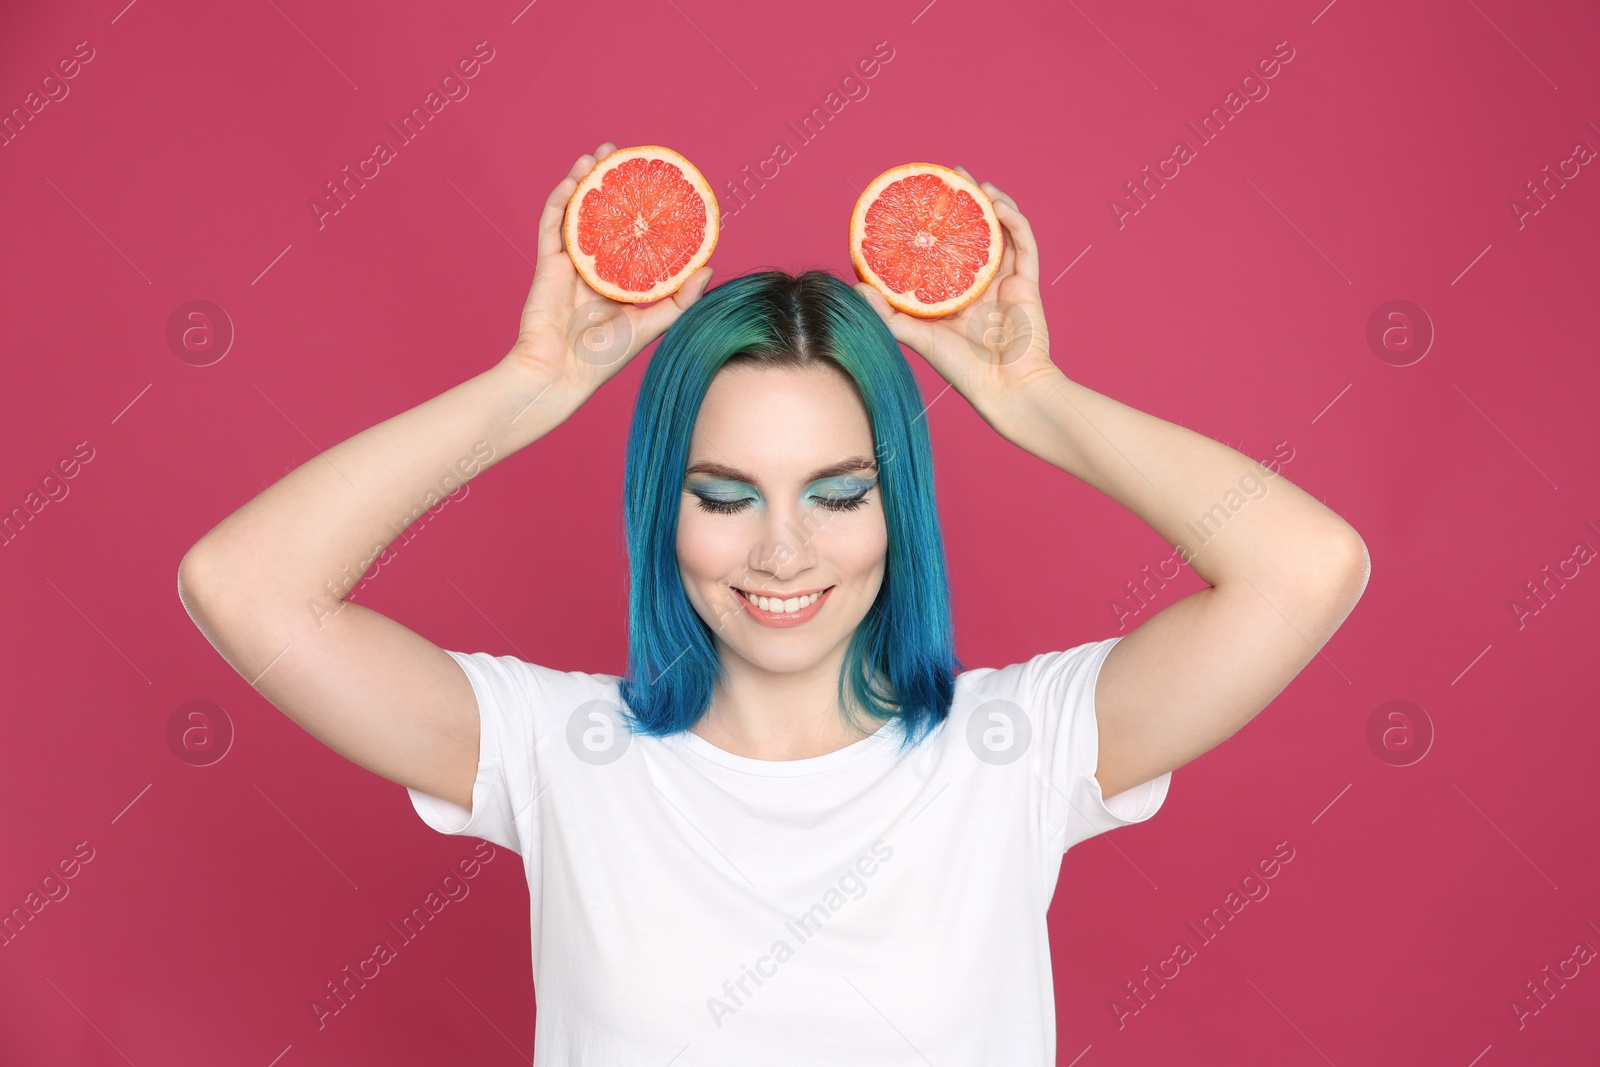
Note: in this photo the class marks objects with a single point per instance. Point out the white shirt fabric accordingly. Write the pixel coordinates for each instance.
(703, 909)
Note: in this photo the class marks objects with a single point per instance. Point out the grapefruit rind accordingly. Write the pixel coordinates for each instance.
(907, 302)
(585, 263)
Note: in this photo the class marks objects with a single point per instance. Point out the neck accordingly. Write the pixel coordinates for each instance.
(769, 715)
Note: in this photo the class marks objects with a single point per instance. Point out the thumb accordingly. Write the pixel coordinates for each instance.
(874, 298)
(899, 325)
(655, 319)
(694, 288)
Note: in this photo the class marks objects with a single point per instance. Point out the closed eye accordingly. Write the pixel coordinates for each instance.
(842, 503)
(722, 507)
(729, 507)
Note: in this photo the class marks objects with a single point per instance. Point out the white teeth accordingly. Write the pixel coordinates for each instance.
(787, 607)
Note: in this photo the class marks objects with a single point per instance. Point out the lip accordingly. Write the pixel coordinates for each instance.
(780, 620)
(770, 593)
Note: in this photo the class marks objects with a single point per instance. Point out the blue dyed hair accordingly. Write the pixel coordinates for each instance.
(774, 319)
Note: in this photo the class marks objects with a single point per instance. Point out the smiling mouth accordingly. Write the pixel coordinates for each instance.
(776, 604)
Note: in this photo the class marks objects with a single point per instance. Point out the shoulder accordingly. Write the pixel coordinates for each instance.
(545, 697)
(1039, 678)
(1034, 706)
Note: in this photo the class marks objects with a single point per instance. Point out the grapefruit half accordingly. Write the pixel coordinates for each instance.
(926, 238)
(639, 223)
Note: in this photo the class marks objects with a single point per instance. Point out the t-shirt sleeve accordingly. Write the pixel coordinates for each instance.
(1058, 689)
(508, 692)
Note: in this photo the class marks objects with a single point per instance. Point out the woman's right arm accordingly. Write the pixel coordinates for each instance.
(267, 585)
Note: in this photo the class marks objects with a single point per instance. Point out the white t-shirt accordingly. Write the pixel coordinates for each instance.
(698, 908)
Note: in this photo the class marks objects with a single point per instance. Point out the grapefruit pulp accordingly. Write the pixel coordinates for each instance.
(925, 237)
(639, 223)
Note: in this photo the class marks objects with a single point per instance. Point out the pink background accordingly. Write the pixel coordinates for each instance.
(1382, 166)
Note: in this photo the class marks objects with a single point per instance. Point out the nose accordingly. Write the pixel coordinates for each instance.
(785, 545)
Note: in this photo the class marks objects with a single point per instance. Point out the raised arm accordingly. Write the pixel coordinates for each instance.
(1284, 571)
(267, 585)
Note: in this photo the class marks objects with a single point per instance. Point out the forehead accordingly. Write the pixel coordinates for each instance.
(780, 422)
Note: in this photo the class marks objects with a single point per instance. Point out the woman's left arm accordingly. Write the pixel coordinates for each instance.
(1284, 571)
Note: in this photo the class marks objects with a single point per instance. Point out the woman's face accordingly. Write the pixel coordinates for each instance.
(781, 498)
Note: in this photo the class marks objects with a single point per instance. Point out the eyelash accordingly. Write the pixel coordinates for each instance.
(729, 507)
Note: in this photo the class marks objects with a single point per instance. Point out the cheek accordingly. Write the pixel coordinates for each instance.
(707, 550)
(857, 546)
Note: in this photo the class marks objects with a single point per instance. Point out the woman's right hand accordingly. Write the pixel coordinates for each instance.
(572, 339)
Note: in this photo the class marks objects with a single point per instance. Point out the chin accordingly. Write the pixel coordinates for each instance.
(791, 658)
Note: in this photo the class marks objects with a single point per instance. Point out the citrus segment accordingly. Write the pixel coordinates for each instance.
(640, 223)
(925, 237)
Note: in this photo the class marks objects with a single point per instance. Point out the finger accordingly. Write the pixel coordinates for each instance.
(555, 209)
(985, 186)
(1008, 253)
(905, 329)
(652, 321)
(693, 289)
(1016, 224)
(1001, 201)
(881, 307)
(997, 194)
(875, 300)
(551, 235)
(698, 290)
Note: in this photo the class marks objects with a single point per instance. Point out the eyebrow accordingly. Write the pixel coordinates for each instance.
(721, 470)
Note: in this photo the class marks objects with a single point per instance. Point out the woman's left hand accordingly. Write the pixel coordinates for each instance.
(997, 342)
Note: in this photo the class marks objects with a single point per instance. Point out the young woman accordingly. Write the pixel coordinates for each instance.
(796, 831)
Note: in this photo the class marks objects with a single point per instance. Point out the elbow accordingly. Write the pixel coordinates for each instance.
(1337, 561)
(193, 579)
(199, 591)
(1363, 568)
(1325, 575)
(1347, 570)
(1352, 565)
